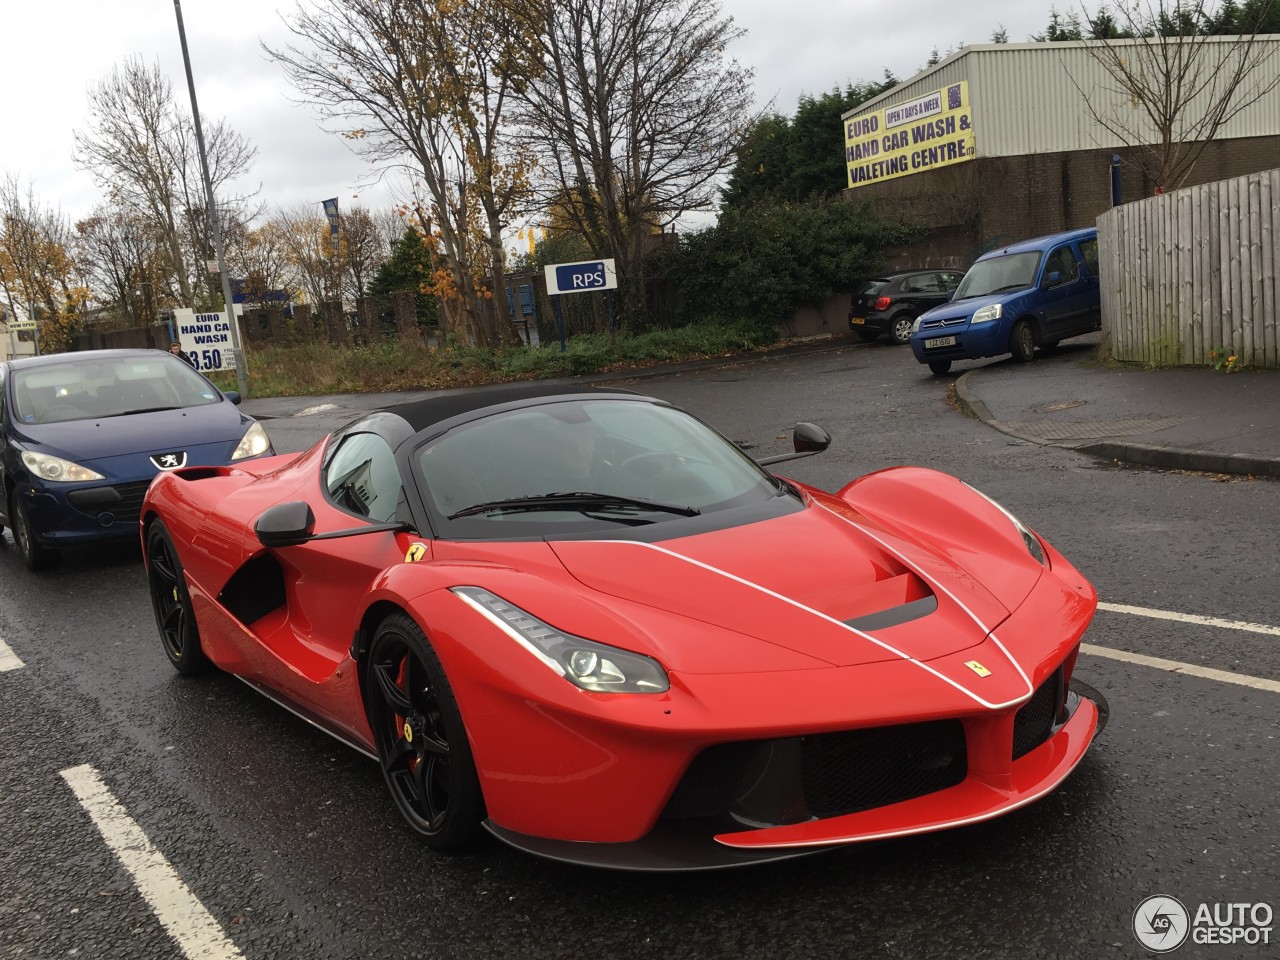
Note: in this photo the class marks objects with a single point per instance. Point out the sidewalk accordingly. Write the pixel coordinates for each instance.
(1191, 418)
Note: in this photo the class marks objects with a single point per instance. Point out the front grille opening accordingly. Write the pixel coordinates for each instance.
(122, 500)
(861, 769)
(767, 783)
(1035, 720)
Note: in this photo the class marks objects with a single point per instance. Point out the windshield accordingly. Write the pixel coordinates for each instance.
(95, 387)
(641, 462)
(1013, 271)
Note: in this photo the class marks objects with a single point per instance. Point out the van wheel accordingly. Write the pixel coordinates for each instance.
(940, 367)
(1022, 342)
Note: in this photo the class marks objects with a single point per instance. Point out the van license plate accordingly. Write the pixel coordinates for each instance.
(940, 342)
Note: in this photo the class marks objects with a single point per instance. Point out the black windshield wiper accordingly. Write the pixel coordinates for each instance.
(576, 500)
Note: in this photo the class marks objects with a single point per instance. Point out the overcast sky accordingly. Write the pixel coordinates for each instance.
(52, 52)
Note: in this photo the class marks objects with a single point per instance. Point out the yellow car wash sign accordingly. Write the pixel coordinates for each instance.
(935, 130)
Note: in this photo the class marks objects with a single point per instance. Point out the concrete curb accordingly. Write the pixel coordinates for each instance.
(1140, 454)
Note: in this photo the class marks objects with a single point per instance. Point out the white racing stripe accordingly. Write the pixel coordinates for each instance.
(1188, 669)
(1190, 618)
(8, 659)
(182, 915)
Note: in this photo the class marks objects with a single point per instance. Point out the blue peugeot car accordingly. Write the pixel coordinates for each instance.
(85, 433)
(1013, 300)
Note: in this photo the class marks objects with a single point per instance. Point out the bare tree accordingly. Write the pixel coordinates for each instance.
(140, 147)
(1174, 85)
(637, 114)
(123, 257)
(423, 86)
(36, 265)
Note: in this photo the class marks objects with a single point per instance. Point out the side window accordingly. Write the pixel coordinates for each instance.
(922, 283)
(1063, 262)
(1089, 248)
(951, 280)
(362, 477)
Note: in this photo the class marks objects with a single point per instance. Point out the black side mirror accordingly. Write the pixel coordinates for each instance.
(232, 395)
(806, 440)
(809, 438)
(285, 525)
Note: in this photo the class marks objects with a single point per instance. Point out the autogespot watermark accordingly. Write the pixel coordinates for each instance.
(1162, 923)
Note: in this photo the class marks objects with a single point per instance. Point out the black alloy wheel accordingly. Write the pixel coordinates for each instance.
(1022, 341)
(171, 603)
(34, 556)
(421, 741)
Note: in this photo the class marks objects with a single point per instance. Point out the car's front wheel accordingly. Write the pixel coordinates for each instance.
(171, 603)
(940, 367)
(422, 743)
(901, 329)
(1022, 341)
(34, 556)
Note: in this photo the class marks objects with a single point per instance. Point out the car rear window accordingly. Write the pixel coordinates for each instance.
(869, 287)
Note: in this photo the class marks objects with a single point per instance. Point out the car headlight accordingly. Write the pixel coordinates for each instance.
(56, 469)
(1034, 546)
(988, 313)
(253, 443)
(584, 663)
(915, 325)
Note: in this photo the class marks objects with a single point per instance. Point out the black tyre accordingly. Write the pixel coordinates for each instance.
(422, 743)
(900, 328)
(865, 335)
(940, 367)
(34, 556)
(171, 603)
(1022, 341)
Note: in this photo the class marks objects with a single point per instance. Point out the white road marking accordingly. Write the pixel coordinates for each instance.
(182, 915)
(1190, 618)
(8, 659)
(318, 408)
(1188, 669)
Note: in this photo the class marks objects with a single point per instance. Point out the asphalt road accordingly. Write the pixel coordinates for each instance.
(292, 846)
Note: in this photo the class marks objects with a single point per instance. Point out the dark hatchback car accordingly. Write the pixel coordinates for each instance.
(84, 434)
(890, 304)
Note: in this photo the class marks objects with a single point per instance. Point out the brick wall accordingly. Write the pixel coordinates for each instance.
(977, 206)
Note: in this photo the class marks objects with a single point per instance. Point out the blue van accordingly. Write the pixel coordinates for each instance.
(1013, 300)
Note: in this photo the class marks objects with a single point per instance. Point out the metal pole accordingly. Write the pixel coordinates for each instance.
(241, 379)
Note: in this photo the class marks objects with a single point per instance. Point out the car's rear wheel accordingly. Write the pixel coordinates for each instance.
(901, 328)
(171, 603)
(1022, 341)
(940, 367)
(421, 740)
(34, 556)
(866, 335)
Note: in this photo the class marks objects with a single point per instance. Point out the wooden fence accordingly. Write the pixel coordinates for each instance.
(1194, 275)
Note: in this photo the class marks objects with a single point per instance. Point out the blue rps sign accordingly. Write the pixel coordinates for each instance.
(581, 277)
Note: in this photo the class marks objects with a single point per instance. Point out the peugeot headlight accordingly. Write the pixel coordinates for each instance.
(56, 469)
(253, 443)
(988, 313)
(584, 663)
(1034, 546)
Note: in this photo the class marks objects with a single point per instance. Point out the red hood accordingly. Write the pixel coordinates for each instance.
(793, 581)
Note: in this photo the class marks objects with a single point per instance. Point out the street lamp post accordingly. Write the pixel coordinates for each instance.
(241, 379)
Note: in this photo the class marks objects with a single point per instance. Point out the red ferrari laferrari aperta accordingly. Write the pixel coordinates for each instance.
(588, 622)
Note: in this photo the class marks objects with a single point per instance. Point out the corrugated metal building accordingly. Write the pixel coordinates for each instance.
(997, 143)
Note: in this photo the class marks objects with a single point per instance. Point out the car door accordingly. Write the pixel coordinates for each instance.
(4, 446)
(1093, 287)
(1062, 300)
(326, 579)
(926, 291)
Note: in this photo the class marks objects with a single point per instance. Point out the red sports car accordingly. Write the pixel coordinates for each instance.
(588, 622)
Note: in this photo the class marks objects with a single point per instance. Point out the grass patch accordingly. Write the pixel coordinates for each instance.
(316, 369)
